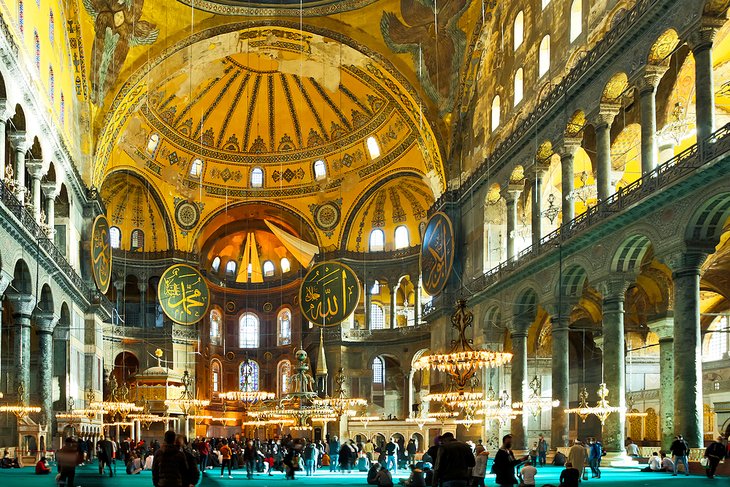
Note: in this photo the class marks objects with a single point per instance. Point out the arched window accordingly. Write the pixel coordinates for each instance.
(115, 237)
(519, 29)
(543, 63)
(576, 19)
(519, 86)
(248, 331)
(216, 264)
(495, 113)
(249, 376)
(378, 371)
(715, 343)
(231, 268)
(196, 169)
(285, 265)
(215, 376)
(137, 239)
(377, 317)
(545, 3)
(51, 85)
(320, 170)
(284, 325)
(373, 147)
(376, 288)
(283, 372)
(257, 177)
(402, 240)
(268, 268)
(377, 240)
(152, 143)
(216, 319)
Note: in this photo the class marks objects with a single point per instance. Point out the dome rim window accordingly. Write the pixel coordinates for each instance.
(268, 268)
(518, 29)
(257, 177)
(320, 170)
(115, 237)
(196, 168)
(216, 264)
(543, 61)
(373, 147)
(402, 237)
(285, 265)
(283, 320)
(376, 245)
(496, 112)
(519, 82)
(231, 267)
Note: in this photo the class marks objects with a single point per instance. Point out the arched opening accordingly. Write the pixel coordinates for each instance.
(283, 374)
(518, 30)
(377, 240)
(257, 177)
(216, 325)
(518, 86)
(248, 331)
(284, 327)
(320, 170)
(126, 367)
(402, 239)
(215, 377)
(543, 62)
(496, 113)
(576, 19)
(249, 376)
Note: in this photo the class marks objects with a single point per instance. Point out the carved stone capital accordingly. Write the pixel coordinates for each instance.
(51, 189)
(513, 191)
(604, 115)
(119, 285)
(35, 168)
(560, 310)
(704, 35)
(685, 259)
(649, 78)
(614, 287)
(45, 322)
(18, 141)
(663, 327)
(5, 280)
(23, 304)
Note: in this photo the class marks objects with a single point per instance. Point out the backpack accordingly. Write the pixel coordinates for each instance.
(308, 451)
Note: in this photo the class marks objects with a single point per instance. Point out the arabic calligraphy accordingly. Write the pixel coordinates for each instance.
(437, 253)
(183, 294)
(101, 253)
(329, 294)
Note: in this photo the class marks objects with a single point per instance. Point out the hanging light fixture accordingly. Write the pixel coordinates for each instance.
(462, 361)
(340, 404)
(118, 403)
(248, 395)
(583, 410)
(551, 212)
(187, 402)
(499, 408)
(585, 192)
(20, 410)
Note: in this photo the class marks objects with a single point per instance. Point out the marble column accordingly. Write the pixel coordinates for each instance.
(23, 305)
(538, 171)
(688, 410)
(646, 86)
(614, 364)
(45, 323)
(368, 300)
(142, 286)
(393, 305)
(603, 120)
(664, 328)
(35, 169)
(701, 41)
(567, 166)
(51, 191)
(560, 427)
(20, 147)
(3, 131)
(5, 280)
(518, 382)
(119, 287)
(512, 197)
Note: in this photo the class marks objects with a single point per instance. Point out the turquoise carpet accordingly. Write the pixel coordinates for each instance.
(88, 476)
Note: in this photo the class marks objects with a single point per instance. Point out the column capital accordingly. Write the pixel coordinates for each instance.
(35, 168)
(23, 304)
(142, 286)
(119, 285)
(539, 168)
(598, 340)
(605, 113)
(649, 77)
(663, 327)
(45, 323)
(18, 141)
(513, 191)
(560, 309)
(613, 288)
(685, 260)
(703, 36)
(568, 146)
(51, 189)
(5, 280)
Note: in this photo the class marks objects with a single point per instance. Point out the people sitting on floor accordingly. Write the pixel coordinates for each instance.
(384, 478)
(667, 463)
(570, 477)
(654, 465)
(373, 474)
(42, 468)
(134, 466)
(148, 462)
(416, 479)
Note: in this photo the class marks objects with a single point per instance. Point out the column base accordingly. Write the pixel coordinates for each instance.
(620, 460)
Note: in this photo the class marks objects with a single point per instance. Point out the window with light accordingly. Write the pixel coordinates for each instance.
(715, 343)
(216, 264)
(402, 240)
(378, 371)
(249, 376)
(283, 375)
(257, 177)
(152, 143)
(518, 86)
(248, 331)
(576, 19)
(284, 321)
(543, 62)
(376, 288)
(216, 320)
(285, 265)
(268, 268)
(115, 237)
(215, 379)
(231, 268)
(377, 316)
(137, 242)
(519, 29)
(196, 169)
(320, 170)
(496, 113)
(373, 147)
(377, 240)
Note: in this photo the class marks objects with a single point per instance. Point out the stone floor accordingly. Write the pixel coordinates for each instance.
(88, 476)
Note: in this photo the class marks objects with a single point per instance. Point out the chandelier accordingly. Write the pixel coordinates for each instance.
(602, 410)
(20, 410)
(677, 128)
(74, 416)
(187, 401)
(365, 419)
(248, 396)
(551, 212)
(421, 421)
(146, 418)
(462, 361)
(118, 403)
(535, 404)
(340, 404)
(585, 192)
(499, 408)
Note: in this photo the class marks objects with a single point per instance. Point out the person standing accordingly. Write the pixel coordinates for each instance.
(453, 463)
(505, 463)
(226, 453)
(542, 449)
(249, 458)
(680, 450)
(391, 458)
(632, 449)
(411, 451)
(595, 453)
(169, 466)
(203, 450)
(577, 456)
(105, 455)
(310, 458)
(368, 448)
(480, 466)
(714, 453)
(67, 458)
(334, 453)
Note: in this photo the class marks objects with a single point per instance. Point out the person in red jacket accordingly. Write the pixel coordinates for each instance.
(41, 468)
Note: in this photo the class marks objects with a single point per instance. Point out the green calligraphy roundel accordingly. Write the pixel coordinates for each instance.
(329, 294)
(183, 294)
(437, 253)
(101, 253)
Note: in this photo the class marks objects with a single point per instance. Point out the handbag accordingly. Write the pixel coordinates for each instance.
(705, 462)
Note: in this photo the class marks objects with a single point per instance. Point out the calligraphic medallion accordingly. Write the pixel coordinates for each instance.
(329, 294)
(101, 253)
(437, 253)
(183, 294)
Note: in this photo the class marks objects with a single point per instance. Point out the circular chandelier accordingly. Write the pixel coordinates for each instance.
(462, 361)
(118, 403)
(535, 404)
(340, 404)
(602, 410)
(20, 410)
(187, 401)
(499, 407)
(75, 416)
(248, 395)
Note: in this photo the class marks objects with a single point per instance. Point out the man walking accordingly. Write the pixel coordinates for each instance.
(334, 453)
(714, 453)
(577, 456)
(680, 450)
(391, 459)
(105, 455)
(169, 466)
(453, 463)
(542, 449)
(595, 453)
(505, 463)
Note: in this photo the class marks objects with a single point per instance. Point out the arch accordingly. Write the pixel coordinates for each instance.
(196, 169)
(662, 49)
(115, 237)
(377, 316)
(45, 303)
(708, 222)
(248, 330)
(285, 265)
(283, 373)
(496, 113)
(18, 120)
(615, 88)
(525, 308)
(377, 240)
(64, 321)
(215, 376)
(574, 278)
(402, 238)
(518, 29)
(575, 126)
(126, 366)
(22, 281)
(257, 177)
(518, 86)
(576, 19)
(630, 254)
(492, 327)
(137, 240)
(216, 264)
(320, 170)
(248, 376)
(378, 368)
(543, 62)
(283, 321)
(216, 325)
(268, 268)
(231, 267)
(373, 147)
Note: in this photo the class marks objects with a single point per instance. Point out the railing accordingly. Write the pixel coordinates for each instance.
(27, 220)
(372, 256)
(554, 101)
(663, 176)
(385, 333)
(172, 254)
